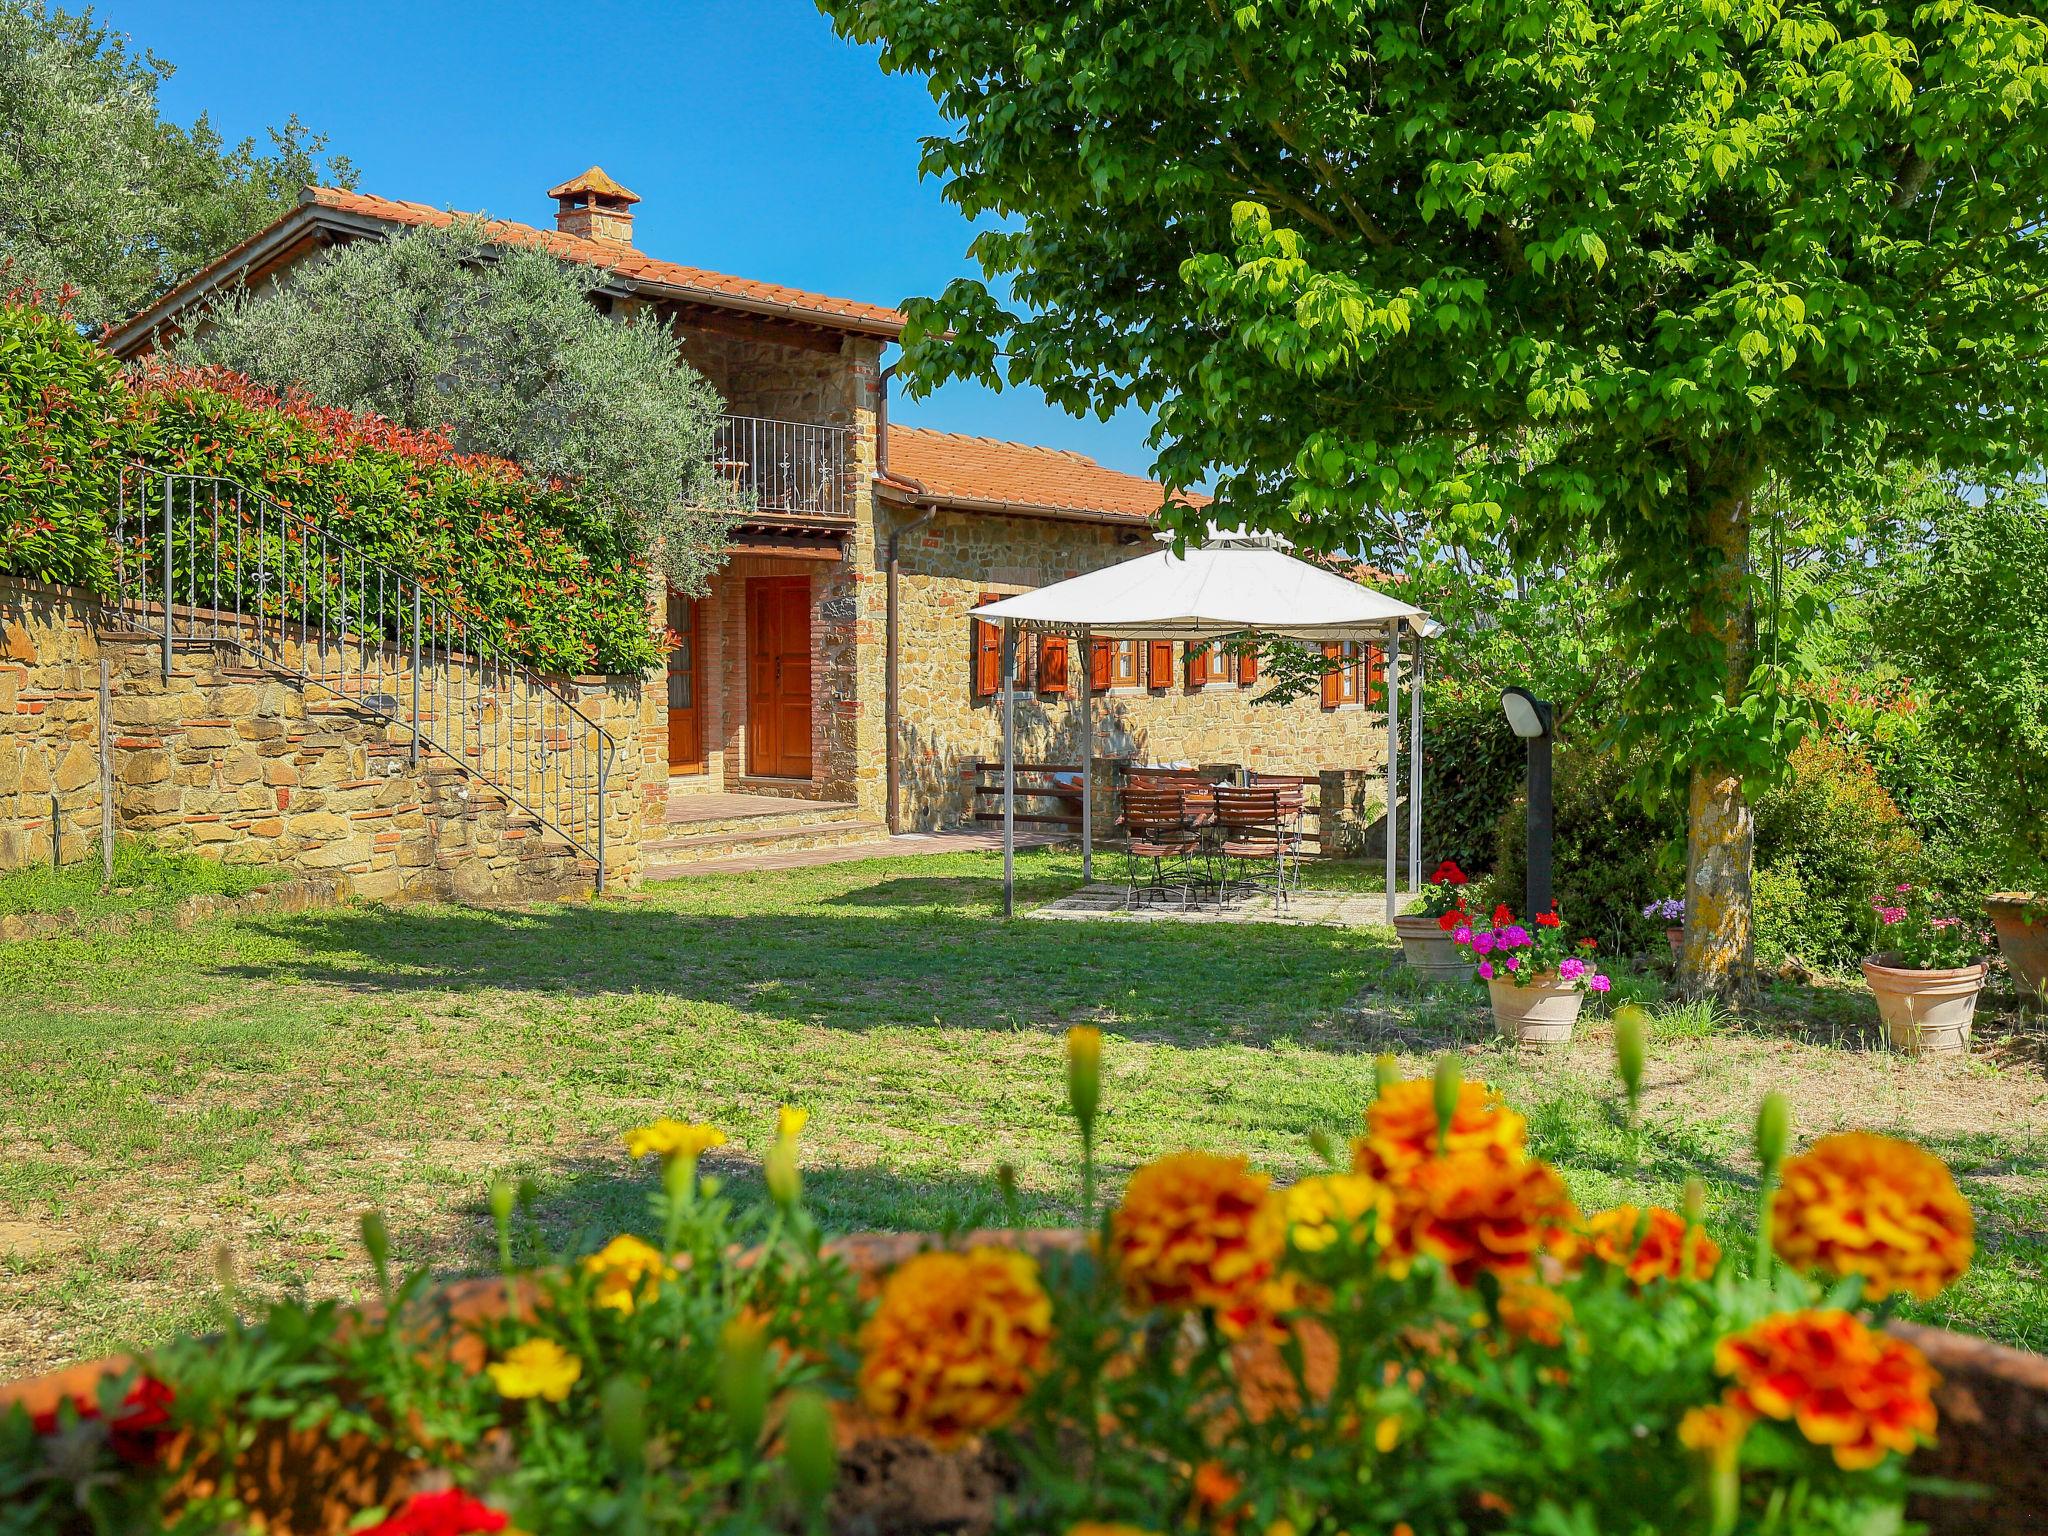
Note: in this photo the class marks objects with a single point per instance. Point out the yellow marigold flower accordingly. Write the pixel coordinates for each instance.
(672, 1138)
(1535, 1312)
(1401, 1129)
(955, 1343)
(1858, 1392)
(1476, 1211)
(1716, 1428)
(1858, 1204)
(1651, 1245)
(537, 1368)
(622, 1267)
(1196, 1230)
(1323, 1208)
(790, 1122)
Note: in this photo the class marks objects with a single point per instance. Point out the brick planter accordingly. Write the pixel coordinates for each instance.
(1993, 1403)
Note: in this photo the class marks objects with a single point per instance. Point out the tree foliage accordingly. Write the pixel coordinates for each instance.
(97, 191)
(1527, 268)
(1972, 629)
(504, 347)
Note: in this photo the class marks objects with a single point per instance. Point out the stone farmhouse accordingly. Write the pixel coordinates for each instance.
(833, 674)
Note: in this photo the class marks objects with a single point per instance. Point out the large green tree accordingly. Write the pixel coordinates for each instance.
(99, 192)
(505, 348)
(1527, 267)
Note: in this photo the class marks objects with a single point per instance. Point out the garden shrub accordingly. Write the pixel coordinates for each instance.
(1472, 764)
(66, 424)
(1827, 838)
(1610, 854)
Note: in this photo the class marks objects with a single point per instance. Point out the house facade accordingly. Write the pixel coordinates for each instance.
(835, 657)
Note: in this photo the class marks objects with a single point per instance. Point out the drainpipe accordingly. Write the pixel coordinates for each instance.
(894, 754)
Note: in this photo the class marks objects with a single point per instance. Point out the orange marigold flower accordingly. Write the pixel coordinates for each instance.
(1535, 1312)
(1716, 1428)
(1656, 1244)
(1476, 1212)
(1102, 1528)
(1196, 1230)
(955, 1344)
(1401, 1132)
(1858, 1392)
(1857, 1204)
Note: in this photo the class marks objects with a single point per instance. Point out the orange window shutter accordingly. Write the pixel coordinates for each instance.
(988, 654)
(1052, 664)
(1248, 668)
(1159, 665)
(1099, 658)
(1198, 664)
(1333, 679)
(1375, 673)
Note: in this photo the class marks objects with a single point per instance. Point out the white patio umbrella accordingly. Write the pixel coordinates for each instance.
(1234, 584)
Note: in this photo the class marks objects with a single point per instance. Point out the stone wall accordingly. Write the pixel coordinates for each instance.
(250, 765)
(946, 567)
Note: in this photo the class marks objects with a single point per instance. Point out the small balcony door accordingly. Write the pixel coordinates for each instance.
(779, 677)
(685, 690)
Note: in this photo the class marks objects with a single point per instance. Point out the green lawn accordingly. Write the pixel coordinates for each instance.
(259, 1082)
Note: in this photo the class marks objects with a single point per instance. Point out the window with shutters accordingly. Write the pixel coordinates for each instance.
(1123, 664)
(1159, 663)
(1248, 666)
(1052, 663)
(1211, 665)
(1340, 682)
(987, 652)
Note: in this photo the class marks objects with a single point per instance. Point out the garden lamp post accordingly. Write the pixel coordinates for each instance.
(1530, 718)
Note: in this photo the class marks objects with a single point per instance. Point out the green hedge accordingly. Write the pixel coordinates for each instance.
(520, 561)
(1472, 766)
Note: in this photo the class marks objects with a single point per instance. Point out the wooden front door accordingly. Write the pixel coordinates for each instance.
(685, 717)
(779, 677)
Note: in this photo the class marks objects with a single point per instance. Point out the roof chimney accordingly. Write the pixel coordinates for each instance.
(594, 207)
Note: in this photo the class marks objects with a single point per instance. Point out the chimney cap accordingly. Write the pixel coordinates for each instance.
(597, 186)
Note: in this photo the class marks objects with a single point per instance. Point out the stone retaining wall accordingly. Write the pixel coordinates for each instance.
(249, 765)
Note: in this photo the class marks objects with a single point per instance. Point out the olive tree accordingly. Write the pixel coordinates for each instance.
(1526, 268)
(505, 348)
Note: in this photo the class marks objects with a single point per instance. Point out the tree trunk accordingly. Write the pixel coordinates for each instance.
(1719, 959)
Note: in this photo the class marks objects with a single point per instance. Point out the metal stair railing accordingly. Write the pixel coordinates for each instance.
(200, 558)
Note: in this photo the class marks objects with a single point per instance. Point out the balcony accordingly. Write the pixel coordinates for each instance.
(785, 473)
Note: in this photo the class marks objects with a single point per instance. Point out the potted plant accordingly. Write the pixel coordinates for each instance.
(1927, 973)
(2020, 919)
(1536, 975)
(1425, 933)
(1670, 911)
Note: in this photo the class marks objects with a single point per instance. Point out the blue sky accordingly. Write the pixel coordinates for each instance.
(761, 144)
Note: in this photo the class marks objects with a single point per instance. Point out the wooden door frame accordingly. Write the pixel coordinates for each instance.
(757, 587)
(687, 767)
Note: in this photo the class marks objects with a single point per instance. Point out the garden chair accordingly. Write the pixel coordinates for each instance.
(1293, 789)
(1157, 833)
(1251, 831)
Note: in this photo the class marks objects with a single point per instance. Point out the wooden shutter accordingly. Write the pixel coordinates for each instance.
(1374, 685)
(1198, 664)
(1052, 664)
(1333, 678)
(988, 653)
(1100, 655)
(1159, 664)
(1248, 668)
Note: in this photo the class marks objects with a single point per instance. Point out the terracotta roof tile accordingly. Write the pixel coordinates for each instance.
(634, 265)
(951, 467)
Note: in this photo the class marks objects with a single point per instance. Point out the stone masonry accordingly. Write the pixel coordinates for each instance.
(246, 764)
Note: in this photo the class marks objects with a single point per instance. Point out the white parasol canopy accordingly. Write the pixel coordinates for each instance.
(1234, 584)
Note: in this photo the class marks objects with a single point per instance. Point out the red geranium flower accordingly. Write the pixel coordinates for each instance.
(1589, 944)
(139, 1428)
(450, 1512)
(1502, 916)
(1547, 919)
(1453, 919)
(1448, 873)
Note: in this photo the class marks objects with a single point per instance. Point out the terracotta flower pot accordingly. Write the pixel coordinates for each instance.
(1675, 937)
(1541, 1012)
(2022, 924)
(1428, 950)
(1926, 1013)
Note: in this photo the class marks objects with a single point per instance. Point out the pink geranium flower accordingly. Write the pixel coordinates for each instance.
(1486, 970)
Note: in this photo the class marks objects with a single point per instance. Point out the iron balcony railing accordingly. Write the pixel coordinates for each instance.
(200, 558)
(786, 468)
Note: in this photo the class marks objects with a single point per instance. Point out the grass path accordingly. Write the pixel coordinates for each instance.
(260, 1082)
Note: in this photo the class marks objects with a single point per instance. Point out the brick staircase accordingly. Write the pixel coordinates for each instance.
(701, 828)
